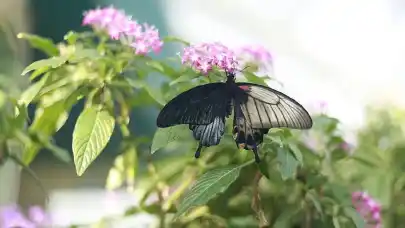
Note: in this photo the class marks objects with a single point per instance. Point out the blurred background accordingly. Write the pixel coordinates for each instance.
(347, 54)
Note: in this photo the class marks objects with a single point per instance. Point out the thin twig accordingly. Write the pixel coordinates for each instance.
(256, 202)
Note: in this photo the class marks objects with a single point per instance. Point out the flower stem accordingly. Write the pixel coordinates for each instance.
(256, 202)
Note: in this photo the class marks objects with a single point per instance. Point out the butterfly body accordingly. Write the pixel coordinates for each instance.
(256, 109)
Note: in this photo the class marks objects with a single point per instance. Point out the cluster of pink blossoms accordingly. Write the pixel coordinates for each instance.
(143, 38)
(204, 57)
(368, 208)
(255, 53)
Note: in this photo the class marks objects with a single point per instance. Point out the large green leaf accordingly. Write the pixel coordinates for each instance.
(208, 186)
(92, 132)
(287, 163)
(40, 43)
(167, 136)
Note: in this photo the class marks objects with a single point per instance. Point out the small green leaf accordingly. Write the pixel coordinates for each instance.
(153, 93)
(297, 153)
(315, 201)
(166, 136)
(31, 92)
(264, 168)
(60, 153)
(175, 39)
(207, 187)
(91, 134)
(183, 78)
(40, 43)
(81, 54)
(251, 77)
(357, 219)
(71, 37)
(52, 62)
(336, 222)
(287, 163)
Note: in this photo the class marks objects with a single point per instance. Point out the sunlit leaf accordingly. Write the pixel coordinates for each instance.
(81, 54)
(207, 187)
(166, 136)
(44, 44)
(31, 92)
(336, 222)
(92, 132)
(52, 62)
(71, 37)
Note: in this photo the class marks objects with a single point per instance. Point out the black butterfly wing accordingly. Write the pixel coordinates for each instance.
(197, 106)
(265, 108)
(208, 135)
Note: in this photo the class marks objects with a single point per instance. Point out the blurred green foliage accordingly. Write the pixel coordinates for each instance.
(305, 178)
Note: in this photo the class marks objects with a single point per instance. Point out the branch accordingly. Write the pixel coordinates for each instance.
(256, 202)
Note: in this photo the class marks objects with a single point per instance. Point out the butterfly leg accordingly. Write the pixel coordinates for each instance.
(198, 151)
(255, 152)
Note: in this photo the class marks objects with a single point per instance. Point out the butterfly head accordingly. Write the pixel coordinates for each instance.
(230, 76)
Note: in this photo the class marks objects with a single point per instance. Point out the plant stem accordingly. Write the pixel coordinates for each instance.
(256, 202)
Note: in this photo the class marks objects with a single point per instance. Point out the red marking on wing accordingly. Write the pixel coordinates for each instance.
(244, 87)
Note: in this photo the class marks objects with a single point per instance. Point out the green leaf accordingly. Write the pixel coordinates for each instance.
(175, 39)
(336, 222)
(251, 77)
(297, 153)
(357, 219)
(91, 134)
(153, 93)
(71, 37)
(183, 78)
(40, 43)
(287, 163)
(315, 201)
(167, 136)
(207, 187)
(31, 92)
(60, 153)
(47, 121)
(53, 62)
(264, 168)
(81, 54)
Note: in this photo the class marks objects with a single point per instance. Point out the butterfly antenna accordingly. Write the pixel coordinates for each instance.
(244, 69)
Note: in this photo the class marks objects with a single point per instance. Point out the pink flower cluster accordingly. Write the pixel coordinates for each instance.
(205, 56)
(143, 38)
(255, 53)
(368, 208)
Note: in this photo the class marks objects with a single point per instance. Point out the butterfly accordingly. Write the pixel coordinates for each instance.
(256, 109)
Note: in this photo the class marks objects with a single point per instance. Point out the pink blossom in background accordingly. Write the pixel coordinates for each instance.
(143, 38)
(204, 57)
(11, 217)
(368, 208)
(256, 54)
